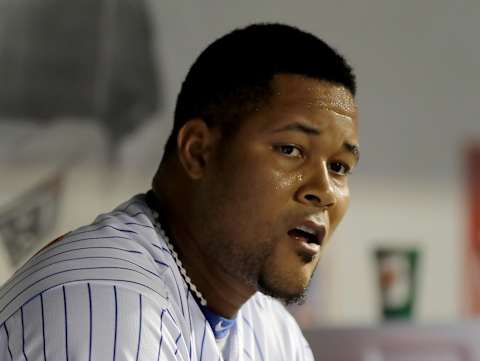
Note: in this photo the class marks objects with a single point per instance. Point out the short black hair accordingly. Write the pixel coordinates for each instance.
(233, 75)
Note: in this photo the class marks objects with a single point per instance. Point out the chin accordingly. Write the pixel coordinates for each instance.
(287, 297)
(286, 290)
(286, 280)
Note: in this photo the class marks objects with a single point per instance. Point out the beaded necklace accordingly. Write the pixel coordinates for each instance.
(182, 269)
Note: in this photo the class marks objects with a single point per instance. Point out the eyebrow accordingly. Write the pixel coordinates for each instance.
(354, 149)
(299, 127)
(307, 129)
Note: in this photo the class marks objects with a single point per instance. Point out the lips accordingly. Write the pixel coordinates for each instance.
(311, 236)
(310, 232)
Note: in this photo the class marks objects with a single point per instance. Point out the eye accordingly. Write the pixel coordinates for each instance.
(339, 168)
(289, 150)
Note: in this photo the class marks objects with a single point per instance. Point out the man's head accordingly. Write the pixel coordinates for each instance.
(232, 77)
(265, 134)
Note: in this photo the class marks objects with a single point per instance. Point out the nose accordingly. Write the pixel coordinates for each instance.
(318, 189)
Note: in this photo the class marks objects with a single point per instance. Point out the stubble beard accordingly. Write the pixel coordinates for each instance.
(240, 263)
(251, 267)
(275, 287)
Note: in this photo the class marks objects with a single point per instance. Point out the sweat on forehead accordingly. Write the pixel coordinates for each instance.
(332, 96)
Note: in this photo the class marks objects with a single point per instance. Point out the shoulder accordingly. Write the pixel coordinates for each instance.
(120, 248)
(106, 279)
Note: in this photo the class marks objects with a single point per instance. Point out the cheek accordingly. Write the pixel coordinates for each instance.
(257, 201)
(264, 186)
(284, 182)
(338, 211)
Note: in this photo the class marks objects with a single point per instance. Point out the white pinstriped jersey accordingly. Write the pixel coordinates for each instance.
(112, 291)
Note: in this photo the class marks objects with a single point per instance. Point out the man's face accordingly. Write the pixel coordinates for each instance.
(286, 167)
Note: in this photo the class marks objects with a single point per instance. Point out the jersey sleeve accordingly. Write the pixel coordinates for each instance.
(92, 321)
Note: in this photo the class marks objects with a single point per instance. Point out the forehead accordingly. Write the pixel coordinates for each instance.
(296, 98)
(291, 91)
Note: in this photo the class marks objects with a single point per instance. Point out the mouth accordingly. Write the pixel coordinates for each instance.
(311, 236)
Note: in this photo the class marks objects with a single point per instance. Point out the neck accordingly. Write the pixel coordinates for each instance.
(224, 294)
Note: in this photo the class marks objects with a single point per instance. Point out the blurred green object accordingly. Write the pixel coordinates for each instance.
(397, 271)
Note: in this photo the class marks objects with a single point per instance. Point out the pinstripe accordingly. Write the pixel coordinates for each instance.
(4, 290)
(76, 233)
(104, 217)
(161, 335)
(90, 312)
(159, 348)
(161, 263)
(139, 328)
(8, 339)
(247, 353)
(43, 328)
(66, 321)
(173, 275)
(203, 340)
(171, 316)
(178, 289)
(137, 224)
(191, 328)
(23, 334)
(257, 343)
(63, 244)
(116, 322)
(87, 279)
(137, 214)
(71, 234)
(176, 342)
(66, 271)
(76, 259)
(166, 250)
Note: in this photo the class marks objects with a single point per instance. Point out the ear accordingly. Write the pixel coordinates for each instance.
(195, 143)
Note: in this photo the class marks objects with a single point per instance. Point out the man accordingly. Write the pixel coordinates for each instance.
(252, 184)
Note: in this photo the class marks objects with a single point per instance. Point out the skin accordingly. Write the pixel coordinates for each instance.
(230, 203)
